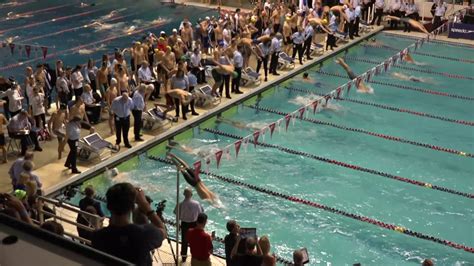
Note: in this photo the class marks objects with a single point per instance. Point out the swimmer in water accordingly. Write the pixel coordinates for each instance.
(412, 22)
(196, 182)
(362, 87)
(402, 76)
(407, 58)
(201, 152)
(11, 16)
(237, 124)
(129, 30)
(308, 79)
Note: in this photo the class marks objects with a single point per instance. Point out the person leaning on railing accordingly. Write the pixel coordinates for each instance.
(122, 238)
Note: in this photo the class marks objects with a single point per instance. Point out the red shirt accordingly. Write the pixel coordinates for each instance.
(200, 243)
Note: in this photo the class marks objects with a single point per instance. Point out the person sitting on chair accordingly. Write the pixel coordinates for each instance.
(20, 127)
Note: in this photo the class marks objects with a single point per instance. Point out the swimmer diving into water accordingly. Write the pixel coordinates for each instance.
(412, 22)
(362, 87)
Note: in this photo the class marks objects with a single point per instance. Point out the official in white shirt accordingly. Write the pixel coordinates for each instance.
(379, 6)
(189, 210)
(196, 66)
(138, 108)
(440, 10)
(395, 6)
(122, 106)
(308, 39)
(275, 49)
(145, 76)
(15, 99)
(238, 64)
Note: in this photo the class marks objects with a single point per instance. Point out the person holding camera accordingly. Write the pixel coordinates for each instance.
(252, 256)
(189, 211)
(124, 239)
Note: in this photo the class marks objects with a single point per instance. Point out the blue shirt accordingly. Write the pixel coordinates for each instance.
(308, 32)
(192, 80)
(238, 60)
(16, 169)
(297, 37)
(73, 130)
(138, 102)
(265, 49)
(276, 45)
(120, 108)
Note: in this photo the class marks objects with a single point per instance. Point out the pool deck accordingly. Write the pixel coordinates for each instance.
(54, 175)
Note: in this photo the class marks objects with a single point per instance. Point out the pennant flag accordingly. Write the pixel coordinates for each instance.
(338, 93)
(395, 59)
(208, 163)
(301, 111)
(422, 41)
(349, 85)
(386, 64)
(45, 51)
(12, 47)
(272, 128)
(358, 81)
(378, 69)
(287, 121)
(197, 168)
(28, 50)
(237, 145)
(218, 157)
(368, 76)
(278, 124)
(255, 134)
(262, 133)
(327, 98)
(315, 106)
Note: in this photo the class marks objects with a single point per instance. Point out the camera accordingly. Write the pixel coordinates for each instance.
(160, 207)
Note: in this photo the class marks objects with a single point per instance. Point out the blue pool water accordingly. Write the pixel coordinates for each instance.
(68, 32)
(331, 238)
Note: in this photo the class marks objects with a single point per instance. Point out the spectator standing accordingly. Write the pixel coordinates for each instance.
(14, 99)
(268, 259)
(138, 108)
(250, 257)
(440, 10)
(62, 88)
(90, 74)
(3, 122)
(21, 127)
(263, 52)
(275, 49)
(122, 107)
(230, 240)
(189, 211)
(28, 167)
(379, 6)
(200, 243)
(37, 107)
(17, 167)
(308, 39)
(394, 11)
(238, 64)
(124, 239)
(196, 66)
(77, 81)
(298, 40)
(90, 205)
(73, 133)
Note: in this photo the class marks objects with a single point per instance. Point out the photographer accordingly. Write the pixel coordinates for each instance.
(14, 207)
(251, 257)
(189, 210)
(123, 239)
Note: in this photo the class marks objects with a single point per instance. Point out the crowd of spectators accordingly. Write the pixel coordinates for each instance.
(166, 66)
(172, 66)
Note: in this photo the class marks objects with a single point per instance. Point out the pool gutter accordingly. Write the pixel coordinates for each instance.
(140, 149)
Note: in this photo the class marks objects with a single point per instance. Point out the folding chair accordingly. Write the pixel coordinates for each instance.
(155, 118)
(285, 61)
(250, 77)
(203, 97)
(94, 146)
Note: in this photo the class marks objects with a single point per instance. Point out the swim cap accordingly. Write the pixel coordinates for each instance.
(20, 194)
(253, 19)
(324, 21)
(113, 81)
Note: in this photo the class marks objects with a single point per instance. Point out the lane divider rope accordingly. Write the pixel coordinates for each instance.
(76, 48)
(403, 110)
(449, 75)
(430, 40)
(363, 131)
(357, 217)
(346, 165)
(50, 20)
(405, 87)
(39, 11)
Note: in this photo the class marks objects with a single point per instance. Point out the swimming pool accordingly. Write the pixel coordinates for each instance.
(65, 29)
(329, 237)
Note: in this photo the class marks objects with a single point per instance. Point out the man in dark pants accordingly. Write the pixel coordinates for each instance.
(308, 39)
(379, 5)
(138, 108)
(276, 49)
(238, 64)
(298, 40)
(73, 132)
(122, 107)
(189, 210)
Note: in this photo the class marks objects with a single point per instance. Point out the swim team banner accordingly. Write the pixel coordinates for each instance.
(461, 31)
